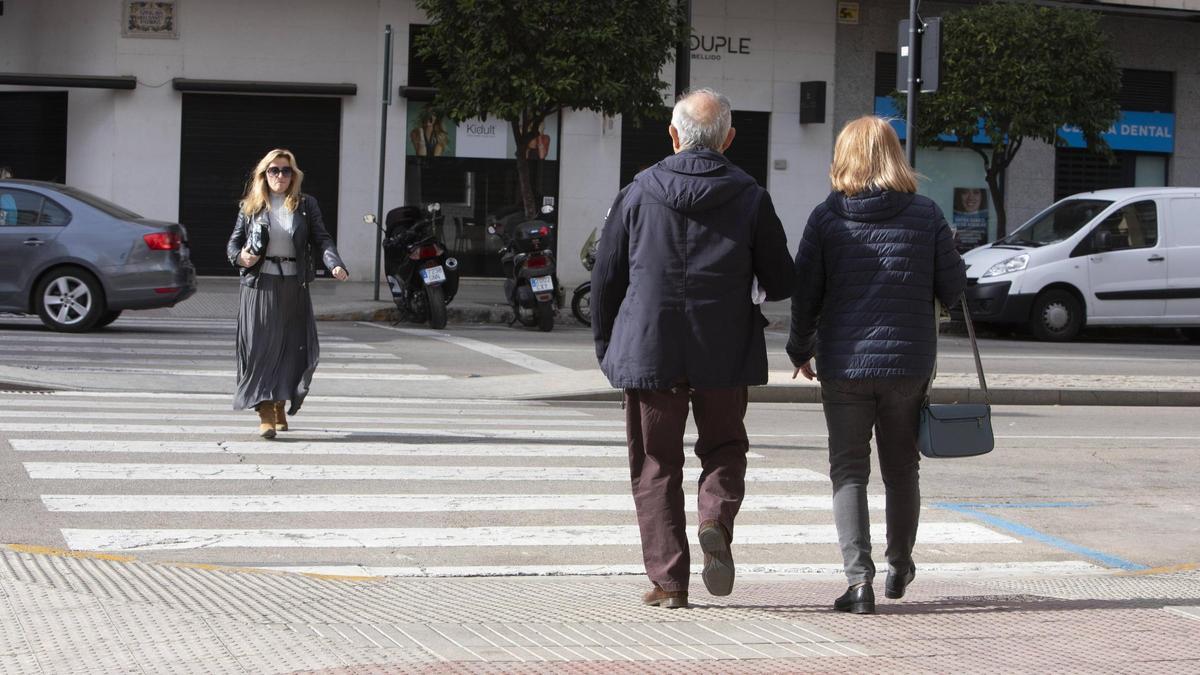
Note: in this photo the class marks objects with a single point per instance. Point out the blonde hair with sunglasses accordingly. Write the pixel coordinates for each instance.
(867, 156)
(258, 193)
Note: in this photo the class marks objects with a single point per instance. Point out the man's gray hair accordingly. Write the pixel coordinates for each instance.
(702, 130)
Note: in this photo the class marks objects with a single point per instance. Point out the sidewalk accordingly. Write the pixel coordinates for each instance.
(65, 612)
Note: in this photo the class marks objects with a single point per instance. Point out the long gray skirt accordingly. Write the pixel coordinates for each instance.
(277, 348)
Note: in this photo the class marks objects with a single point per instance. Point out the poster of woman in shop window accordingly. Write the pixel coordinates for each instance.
(970, 217)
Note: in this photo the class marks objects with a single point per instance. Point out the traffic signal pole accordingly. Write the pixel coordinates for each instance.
(914, 82)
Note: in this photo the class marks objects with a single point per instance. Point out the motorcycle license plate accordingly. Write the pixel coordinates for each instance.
(432, 275)
(542, 284)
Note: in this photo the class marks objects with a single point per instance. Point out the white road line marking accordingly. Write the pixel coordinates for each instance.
(57, 404)
(229, 373)
(317, 398)
(975, 570)
(301, 431)
(340, 449)
(152, 471)
(233, 417)
(88, 341)
(184, 361)
(936, 533)
(505, 354)
(401, 503)
(60, 350)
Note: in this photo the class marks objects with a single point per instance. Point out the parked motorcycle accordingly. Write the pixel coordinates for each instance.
(422, 276)
(527, 259)
(581, 299)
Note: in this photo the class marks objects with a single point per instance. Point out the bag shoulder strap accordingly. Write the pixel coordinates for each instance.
(987, 398)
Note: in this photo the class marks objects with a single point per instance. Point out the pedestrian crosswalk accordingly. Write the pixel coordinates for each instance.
(374, 483)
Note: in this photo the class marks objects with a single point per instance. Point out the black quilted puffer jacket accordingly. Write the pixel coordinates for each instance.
(867, 271)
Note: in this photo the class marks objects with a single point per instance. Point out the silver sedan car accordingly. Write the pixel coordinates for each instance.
(78, 261)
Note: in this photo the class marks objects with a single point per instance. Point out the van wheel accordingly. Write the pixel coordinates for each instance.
(1057, 316)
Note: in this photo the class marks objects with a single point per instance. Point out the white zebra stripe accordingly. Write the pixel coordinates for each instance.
(393, 428)
(184, 360)
(88, 341)
(62, 350)
(150, 471)
(346, 449)
(937, 533)
(229, 373)
(56, 404)
(402, 503)
(233, 417)
(316, 398)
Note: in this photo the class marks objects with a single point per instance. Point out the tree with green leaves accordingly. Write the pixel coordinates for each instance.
(1017, 71)
(523, 60)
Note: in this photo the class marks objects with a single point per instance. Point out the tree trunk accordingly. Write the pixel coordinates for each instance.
(997, 189)
(524, 131)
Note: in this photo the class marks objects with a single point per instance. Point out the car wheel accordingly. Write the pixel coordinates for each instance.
(69, 300)
(1057, 316)
(108, 318)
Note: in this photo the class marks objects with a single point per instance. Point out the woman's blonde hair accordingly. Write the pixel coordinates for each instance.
(258, 194)
(867, 155)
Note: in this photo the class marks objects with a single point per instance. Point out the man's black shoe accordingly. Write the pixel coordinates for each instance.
(894, 587)
(856, 600)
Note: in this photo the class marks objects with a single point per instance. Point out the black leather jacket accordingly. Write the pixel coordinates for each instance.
(309, 234)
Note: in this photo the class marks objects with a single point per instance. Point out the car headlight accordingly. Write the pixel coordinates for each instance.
(1015, 264)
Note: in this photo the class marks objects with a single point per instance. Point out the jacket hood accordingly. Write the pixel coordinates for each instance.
(695, 180)
(871, 206)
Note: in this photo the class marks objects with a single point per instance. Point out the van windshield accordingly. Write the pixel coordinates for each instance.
(1056, 223)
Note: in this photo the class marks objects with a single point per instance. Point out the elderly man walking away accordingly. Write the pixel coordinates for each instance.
(674, 322)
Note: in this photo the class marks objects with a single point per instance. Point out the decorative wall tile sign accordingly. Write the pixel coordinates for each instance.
(847, 12)
(150, 19)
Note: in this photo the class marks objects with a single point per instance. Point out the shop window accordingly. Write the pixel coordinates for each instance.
(643, 146)
(1078, 170)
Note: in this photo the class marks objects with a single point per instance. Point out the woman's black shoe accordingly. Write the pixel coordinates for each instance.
(856, 600)
(895, 585)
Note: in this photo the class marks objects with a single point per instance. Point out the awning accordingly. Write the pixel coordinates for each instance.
(418, 93)
(256, 87)
(80, 81)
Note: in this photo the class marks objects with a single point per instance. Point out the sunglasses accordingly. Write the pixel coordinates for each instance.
(276, 171)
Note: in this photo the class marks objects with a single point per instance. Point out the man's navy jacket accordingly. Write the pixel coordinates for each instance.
(671, 285)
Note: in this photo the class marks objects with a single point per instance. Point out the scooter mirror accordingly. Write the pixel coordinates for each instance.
(434, 207)
(491, 229)
(369, 219)
(547, 209)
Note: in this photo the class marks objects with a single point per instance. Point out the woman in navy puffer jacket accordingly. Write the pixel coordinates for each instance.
(872, 259)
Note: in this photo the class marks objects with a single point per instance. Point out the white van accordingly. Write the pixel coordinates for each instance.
(1125, 257)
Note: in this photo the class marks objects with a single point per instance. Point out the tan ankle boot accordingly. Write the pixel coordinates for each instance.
(266, 419)
(280, 416)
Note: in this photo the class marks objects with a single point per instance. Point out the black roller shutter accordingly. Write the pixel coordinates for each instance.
(643, 146)
(33, 134)
(224, 136)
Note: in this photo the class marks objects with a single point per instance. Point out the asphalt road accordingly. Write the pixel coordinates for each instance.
(371, 482)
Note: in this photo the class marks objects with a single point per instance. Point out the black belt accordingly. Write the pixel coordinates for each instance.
(280, 259)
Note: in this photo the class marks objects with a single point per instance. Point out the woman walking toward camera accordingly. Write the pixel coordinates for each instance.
(277, 233)
(873, 257)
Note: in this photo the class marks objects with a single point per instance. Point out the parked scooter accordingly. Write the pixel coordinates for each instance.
(422, 276)
(527, 259)
(581, 299)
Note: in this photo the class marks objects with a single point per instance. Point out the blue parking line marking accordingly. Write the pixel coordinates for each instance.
(1021, 505)
(1027, 532)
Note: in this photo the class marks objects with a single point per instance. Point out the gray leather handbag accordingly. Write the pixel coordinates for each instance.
(957, 429)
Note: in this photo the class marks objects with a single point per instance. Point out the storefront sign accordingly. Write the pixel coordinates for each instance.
(1137, 131)
(433, 136)
(886, 107)
(714, 47)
